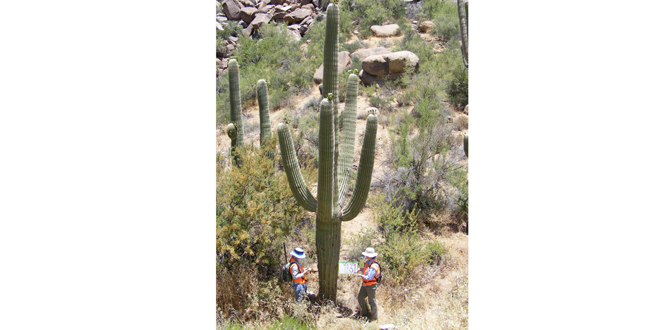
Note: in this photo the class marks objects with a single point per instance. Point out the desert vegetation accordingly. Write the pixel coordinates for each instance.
(416, 215)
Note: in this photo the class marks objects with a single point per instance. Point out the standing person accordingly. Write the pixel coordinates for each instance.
(298, 279)
(371, 271)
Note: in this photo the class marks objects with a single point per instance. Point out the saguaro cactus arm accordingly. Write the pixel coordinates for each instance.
(365, 168)
(326, 166)
(263, 103)
(292, 169)
(348, 137)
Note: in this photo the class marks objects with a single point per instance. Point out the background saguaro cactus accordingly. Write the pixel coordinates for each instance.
(263, 103)
(462, 10)
(237, 130)
(333, 177)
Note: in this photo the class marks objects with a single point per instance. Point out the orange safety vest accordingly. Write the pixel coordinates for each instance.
(366, 268)
(301, 280)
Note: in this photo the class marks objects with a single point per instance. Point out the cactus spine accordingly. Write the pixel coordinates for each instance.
(333, 177)
(236, 110)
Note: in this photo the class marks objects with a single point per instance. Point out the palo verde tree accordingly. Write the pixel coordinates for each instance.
(335, 163)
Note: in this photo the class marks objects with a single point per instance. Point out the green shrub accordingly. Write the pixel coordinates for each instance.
(255, 211)
(458, 88)
(373, 12)
(403, 249)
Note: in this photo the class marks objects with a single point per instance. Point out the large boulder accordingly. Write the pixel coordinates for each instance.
(232, 9)
(364, 53)
(248, 14)
(388, 66)
(400, 61)
(298, 15)
(389, 30)
(426, 26)
(344, 61)
(377, 65)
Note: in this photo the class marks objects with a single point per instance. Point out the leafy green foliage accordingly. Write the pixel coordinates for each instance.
(255, 211)
(373, 12)
(458, 88)
(403, 250)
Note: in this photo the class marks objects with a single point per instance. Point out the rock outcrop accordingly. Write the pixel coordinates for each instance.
(388, 66)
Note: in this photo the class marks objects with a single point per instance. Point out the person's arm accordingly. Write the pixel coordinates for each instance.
(370, 274)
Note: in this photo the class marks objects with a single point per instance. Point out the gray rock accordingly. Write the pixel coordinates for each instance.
(247, 3)
(219, 26)
(344, 62)
(381, 31)
(376, 65)
(400, 61)
(298, 15)
(426, 26)
(221, 18)
(363, 53)
(294, 35)
(259, 20)
(233, 39)
(248, 14)
(232, 9)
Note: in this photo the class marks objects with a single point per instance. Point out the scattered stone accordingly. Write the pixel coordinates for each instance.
(259, 20)
(233, 39)
(248, 30)
(466, 109)
(294, 35)
(426, 26)
(219, 26)
(248, 13)
(381, 31)
(232, 9)
(247, 3)
(298, 15)
(268, 9)
(344, 61)
(363, 53)
(222, 18)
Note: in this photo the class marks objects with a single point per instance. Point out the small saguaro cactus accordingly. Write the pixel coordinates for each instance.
(263, 103)
(334, 172)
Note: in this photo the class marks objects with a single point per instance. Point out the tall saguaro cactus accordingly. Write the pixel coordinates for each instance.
(333, 176)
(462, 11)
(235, 130)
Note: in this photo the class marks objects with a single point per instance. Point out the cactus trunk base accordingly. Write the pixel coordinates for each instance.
(327, 250)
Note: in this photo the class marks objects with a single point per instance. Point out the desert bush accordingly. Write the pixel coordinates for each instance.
(354, 46)
(458, 88)
(255, 212)
(373, 12)
(403, 250)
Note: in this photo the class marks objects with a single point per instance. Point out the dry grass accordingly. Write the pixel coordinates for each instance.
(461, 122)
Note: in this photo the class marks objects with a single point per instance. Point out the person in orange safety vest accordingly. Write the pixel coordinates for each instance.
(370, 272)
(298, 279)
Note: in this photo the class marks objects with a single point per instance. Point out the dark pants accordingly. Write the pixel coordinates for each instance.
(300, 290)
(368, 292)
